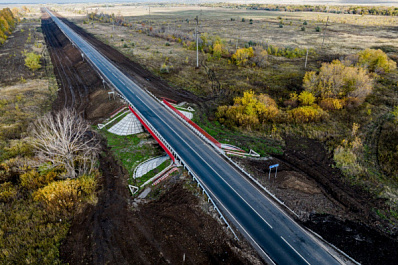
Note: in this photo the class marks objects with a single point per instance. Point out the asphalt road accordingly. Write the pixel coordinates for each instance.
(272, 232)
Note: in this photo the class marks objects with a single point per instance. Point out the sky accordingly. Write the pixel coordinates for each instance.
(331, 2)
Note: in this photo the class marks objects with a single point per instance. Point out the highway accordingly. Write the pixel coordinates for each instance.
(276, 237)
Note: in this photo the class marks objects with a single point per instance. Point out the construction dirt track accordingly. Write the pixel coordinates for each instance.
(163, 230)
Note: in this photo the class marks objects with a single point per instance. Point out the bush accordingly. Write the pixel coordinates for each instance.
(302, 28)
(306, 114)
(376, 61)
(164, 69)
(32, 180)
(7, 192)
(167, 44)
(318, 29)
(248, 111)
(242, 56)
(260, 57)
(59, 197)
(305, 23)
(62, 197)
(335, 80)
(306, 98)
(32, 61)
(346, 160)
(331, 104)
(243, 20)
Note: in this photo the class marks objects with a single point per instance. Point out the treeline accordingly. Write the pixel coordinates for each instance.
(360, 10)
(7, 24)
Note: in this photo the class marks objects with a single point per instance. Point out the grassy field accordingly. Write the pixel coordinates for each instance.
(156, 40)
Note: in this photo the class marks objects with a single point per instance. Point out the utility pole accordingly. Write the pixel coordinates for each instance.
(324, 32)
(197, 42)
(306, 60)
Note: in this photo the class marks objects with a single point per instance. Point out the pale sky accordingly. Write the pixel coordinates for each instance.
(314, 2)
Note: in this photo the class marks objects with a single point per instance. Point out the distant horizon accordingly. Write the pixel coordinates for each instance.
(293, 2)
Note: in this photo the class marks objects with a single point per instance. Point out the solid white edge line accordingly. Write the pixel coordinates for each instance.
(295, 250)
(224, 180)
(207, 164)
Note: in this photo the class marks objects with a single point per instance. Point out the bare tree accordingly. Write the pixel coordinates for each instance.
(65, 139)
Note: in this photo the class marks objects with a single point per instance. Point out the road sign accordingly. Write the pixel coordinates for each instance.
(273, 166)
(270, 169)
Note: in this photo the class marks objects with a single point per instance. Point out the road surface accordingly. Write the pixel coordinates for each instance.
(276, 237)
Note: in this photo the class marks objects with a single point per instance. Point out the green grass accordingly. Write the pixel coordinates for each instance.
(245, 141)
(131, 150)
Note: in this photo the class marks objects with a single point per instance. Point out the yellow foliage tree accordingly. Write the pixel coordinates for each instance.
(248, 111)
(376, 61)
(242, 56)
(32, 60)
(7, 24)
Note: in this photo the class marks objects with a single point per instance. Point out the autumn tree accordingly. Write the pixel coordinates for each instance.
(335, 80)
(66, 140)
(242, 56)
(248, 111)
(376, 61)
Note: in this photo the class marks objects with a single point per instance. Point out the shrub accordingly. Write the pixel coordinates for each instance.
(305, 23)
(243, 20)
(346, 160)
(242, 55)
(32, 180)
(376, 61)
(318, 29)
(164, 69)
(335, 80)
(302, 28)
(306, 114)
(331, 104)
(248, 111)
(280, 25)
(167, 44)
(260, 57)
(32, 61)
(306, 98)
(59, 197)
(7, 192)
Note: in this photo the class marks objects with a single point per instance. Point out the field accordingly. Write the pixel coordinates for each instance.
(254, 88)
(353, 163)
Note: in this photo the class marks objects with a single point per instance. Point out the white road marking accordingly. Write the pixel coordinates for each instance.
(212, 169)
(209, 165)
(295, 250)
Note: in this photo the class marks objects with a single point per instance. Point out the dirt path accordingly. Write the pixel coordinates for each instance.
(115, 231)
(342, 214)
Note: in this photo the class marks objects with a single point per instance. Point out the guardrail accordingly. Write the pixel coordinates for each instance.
(208, 136)
(153, 130)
